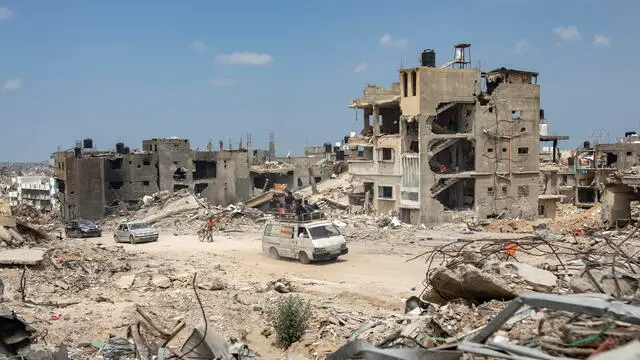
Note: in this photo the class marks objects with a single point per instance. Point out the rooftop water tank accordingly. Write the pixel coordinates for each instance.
(428, 58)
(87, 143)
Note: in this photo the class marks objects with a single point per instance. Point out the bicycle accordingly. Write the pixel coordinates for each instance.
(205, 234)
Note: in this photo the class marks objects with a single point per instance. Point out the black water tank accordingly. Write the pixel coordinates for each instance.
(340, 155)
(541, 113)
(327, 147)
(126, 150)
(119, 147)
(87, 143)
(428, 58)
(586, 145)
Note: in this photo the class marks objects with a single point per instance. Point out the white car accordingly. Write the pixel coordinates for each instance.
(135, 232)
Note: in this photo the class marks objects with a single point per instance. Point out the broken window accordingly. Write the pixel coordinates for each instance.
(385, 192)
(516, 114)
(146, 162)
(180, 174)
(491, 109)
(490, 190)
(414, 147)
(115, 164)
(410, 195)
(414, 83)
(504, 189)
(198, 188)
(387, 154)
(145, 183)
(523, 129)
(523, 190)
(204, 169)
(504, 149)
(523, 150)
(405, 81)
(317, 179)
(115, 185)
(489, 150)
(611, 159)
(629, 153)
(178, 187)
(541, 210)
(299, 182)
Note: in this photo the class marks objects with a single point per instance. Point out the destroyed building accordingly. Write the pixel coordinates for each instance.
(602, 173)
(91, 182)
(295, 172)
(37, 191)
(450, 142)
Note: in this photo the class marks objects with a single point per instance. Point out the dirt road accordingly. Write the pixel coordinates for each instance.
(389, 277)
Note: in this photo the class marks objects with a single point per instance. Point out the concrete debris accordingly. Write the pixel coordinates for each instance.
(466, 282)
(22, 256)
(540, 280)
(117, 347)
(282, 286)
(161, 281)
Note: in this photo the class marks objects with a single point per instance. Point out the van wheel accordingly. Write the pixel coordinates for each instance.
(304, 258)
(132, 240)
(273, 253)
(115, 238)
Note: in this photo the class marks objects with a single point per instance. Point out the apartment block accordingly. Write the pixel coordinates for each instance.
(446, 143)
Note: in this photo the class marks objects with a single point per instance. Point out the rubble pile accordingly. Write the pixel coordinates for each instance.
(183, 213)
(333, 193)
(569, 220)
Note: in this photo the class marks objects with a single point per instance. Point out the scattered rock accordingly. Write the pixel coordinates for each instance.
(216, 284)
(540, 280)
(281, 288)
(62, 285)
(580, 285)
(161, 281)
(125, 281)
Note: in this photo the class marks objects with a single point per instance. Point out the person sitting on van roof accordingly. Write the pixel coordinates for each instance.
(274, 203)
(289, 200)
(308, 207)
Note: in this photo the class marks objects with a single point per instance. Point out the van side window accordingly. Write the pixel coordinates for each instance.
(272, 230)
(286, 232)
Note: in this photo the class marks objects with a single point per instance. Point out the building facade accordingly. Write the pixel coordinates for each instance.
(37, 191)
(448, 143)
(92, 182)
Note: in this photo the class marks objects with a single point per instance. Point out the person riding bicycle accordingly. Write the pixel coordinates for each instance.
(209, 228)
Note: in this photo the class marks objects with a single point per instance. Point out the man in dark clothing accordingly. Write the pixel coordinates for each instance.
(309, 207)
(289, 200)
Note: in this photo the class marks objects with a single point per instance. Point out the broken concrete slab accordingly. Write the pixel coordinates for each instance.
(125, 281)
(466, 282)
(541, 280)
(5, 235)
(22, 256)
(161, 281)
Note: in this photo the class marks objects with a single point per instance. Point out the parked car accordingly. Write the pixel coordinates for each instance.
(82, 228)
(135, 232)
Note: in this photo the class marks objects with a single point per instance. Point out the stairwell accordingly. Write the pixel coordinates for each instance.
(442, 186)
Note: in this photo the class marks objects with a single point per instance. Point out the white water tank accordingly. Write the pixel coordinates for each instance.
(544, 129)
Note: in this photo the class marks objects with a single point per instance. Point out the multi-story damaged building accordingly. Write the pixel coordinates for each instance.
(597, 175)
(449, 142)
(90, 182)
(37, 191)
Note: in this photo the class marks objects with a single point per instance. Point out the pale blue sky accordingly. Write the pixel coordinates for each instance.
(129, 70)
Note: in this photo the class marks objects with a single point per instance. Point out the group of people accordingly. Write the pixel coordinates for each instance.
(290, 204)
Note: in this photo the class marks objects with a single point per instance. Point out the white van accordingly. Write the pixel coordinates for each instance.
(304, 240)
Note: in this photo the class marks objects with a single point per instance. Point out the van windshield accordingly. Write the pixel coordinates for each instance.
(323, 231)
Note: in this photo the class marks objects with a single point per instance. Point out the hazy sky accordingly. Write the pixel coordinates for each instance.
(128, 70)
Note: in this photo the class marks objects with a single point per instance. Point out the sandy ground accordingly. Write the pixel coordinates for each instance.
(359, 271)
